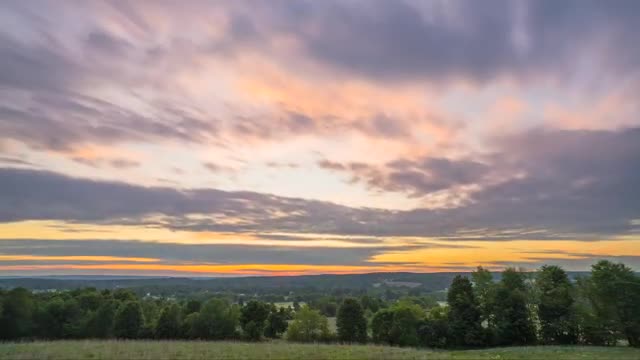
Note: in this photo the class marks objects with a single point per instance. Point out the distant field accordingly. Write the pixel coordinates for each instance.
(286, 304)
(283, 350)
(333, 326)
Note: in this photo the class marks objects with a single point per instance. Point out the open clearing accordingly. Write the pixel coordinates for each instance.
(112, 349)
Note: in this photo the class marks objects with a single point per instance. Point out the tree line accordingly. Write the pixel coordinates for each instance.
(521, 308)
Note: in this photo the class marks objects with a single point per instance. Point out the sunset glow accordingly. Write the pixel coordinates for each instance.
(204, 138)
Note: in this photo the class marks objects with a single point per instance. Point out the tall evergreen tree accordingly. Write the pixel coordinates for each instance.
(465, 329)
(351, 323)
(513, 322)
(555, 306)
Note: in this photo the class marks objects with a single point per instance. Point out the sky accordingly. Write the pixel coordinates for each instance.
(225, 138)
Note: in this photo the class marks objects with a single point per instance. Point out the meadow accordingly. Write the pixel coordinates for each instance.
(111, 349)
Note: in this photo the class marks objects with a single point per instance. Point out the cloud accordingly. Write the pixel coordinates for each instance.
(192, 253)
(133, 73)
(63, 121)
(35, 67)
(566, 184)
(107, 43)
(10, 160)
(96, 162)
(45, 195)
(560, 181)
(216, 168)
(281, 165)
(405, 40)
(340, 76)
(415, 177)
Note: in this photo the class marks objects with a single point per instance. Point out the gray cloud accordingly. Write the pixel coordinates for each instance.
(438, 40)
(117, 163)
(381, 40)
(10, 160)
(572, 182)
(31, 67)
(59, 121)
(107, 43)
(577, 184)
(417, 178)
(45, 195)
(195, 253)
(216, 168)
(563, 183)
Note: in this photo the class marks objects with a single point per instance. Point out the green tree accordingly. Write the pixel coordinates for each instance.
(100, 325)
(192, 306)
(217, 320)
(404, 328)
(617, 296)
(276, 323)
(513, 322)
(308, 325)
(555, 306)
(433, 331)
(123, 295)
(190, 328)
(351, 323)
(150, 313)
(381, 326)
(483, 288)
(59, 317)
(16, 319)
(465, 329)
(592, 330)
(128, 321)
(252, 319)
(370, 303)
(397, 325)
(89, 300)
(169, 325)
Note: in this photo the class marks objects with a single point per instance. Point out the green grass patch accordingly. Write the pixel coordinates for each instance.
(112, 349)
(286, 304)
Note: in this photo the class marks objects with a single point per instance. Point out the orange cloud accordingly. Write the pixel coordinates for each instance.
(240, 269)
(350, 105)
(496, 253)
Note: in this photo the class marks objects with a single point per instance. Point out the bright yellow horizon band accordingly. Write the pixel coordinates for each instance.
(417, 254)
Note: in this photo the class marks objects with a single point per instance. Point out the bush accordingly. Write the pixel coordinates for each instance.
(308, 326)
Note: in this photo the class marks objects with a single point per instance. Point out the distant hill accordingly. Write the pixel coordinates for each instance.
(425, 282)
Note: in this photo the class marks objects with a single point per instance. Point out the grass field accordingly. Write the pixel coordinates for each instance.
(286, 304)
(283, 350)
